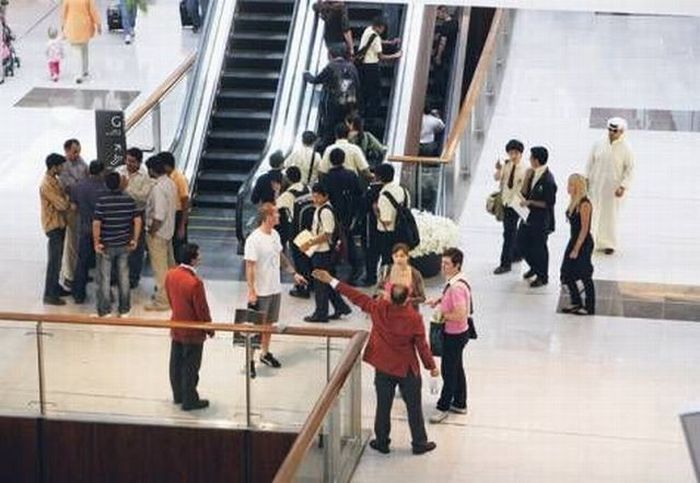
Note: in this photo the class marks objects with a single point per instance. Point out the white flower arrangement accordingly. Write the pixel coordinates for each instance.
(437, 233)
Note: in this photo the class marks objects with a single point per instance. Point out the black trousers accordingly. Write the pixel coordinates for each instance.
(185, 361)
(86, 258)
(323, 292)
(178, 243)
(354, 259)
(372, 248)
(510, 250)
(532, 241)
(454, 379)
(387, 240)
(302, 263)
(53, 265)
(575, 294)
(410, 386)
(371, 80)
(136, 257)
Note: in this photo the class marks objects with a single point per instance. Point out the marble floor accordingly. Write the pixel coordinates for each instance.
(553, 398)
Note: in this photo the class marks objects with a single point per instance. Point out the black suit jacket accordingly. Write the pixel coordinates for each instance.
(544, 190)
(344, 192)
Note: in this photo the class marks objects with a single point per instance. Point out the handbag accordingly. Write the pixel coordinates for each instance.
(437, 338)
(494, 205)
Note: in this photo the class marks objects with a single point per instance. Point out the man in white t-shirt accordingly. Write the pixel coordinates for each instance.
(370, 75)
(263, 258)
(305, 158)
(386, 213)
(355, 159)
(431, 125)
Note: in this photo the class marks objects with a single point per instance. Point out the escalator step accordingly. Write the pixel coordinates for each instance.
(241, 114)
(225, 176)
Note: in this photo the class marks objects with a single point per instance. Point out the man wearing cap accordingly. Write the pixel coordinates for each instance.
(609, 171)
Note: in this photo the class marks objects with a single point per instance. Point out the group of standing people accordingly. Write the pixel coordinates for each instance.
(528, 196)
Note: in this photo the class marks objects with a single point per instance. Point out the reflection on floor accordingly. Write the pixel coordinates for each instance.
(648, 119)
(88, 99)
(658, 301)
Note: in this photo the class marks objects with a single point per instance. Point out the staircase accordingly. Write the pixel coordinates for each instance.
(239, 126)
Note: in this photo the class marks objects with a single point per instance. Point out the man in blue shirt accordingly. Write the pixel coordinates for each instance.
(85, 195)
(116, 229)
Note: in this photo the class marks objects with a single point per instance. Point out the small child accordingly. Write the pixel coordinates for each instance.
(54, 53)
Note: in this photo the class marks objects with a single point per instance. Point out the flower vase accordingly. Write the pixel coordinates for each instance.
(428, 265)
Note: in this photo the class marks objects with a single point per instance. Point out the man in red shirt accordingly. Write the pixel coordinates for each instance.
(397, 333)
(189, 304)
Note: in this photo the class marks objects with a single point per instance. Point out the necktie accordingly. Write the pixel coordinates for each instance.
(511, 178)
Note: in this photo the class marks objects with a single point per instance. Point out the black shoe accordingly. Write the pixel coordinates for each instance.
(198, 404)
(383, 449)
(253, 373)
(424, 448)
(316, 319)
(54, 301)
(529, 274)
(133, 284)
(79, 300)
(300, 293)
(501, 269)
(269, 360)
(339, 313)
(538, 282)
(609, 251)
(62, 292)
(570, 309)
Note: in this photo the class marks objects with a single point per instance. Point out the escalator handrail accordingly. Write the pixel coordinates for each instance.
(465, 112)
(244, 192)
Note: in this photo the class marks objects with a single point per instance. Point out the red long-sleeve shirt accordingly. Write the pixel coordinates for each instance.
(397, 334)
(188, 301)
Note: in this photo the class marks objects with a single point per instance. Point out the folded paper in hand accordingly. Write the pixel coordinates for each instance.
(302, 238)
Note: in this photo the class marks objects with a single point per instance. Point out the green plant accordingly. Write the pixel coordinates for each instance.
(140, 4)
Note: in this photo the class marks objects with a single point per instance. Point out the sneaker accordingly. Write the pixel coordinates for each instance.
(580, 311)
(253, 373)
(456, 410)
(424, 448)
(127, 39)
(199, 404)
(501, 269)
(269, 360)
(124, 315)
(438, 416)
(382, 448)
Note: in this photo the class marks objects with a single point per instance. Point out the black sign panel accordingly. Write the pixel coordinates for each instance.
(111, 137)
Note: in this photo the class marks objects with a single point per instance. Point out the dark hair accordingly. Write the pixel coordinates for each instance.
(357, 122)
(427, 109)
(276, 159)
(167, 158)
(113, 180)
(341, 130)
(455, 255)
(385, 172)
(540, 153)
(155, 164)
(54, 159)
(188, 253)
(293, 174)
(401, 247)
(338, 50)
(320, 189)
(399, 294)
(135, 153)
(514, 144)
(69, 144)
(276, 176)
(96, 167)
(337, 157)
(308, 138)
(379, 21)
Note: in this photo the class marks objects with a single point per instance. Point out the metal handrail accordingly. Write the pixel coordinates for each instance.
(323, 406)
(469, 103)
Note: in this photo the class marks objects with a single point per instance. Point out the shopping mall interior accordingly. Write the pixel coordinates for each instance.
(609, 396)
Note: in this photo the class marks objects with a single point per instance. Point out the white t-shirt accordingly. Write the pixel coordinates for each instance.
(373, 51)
(430, 126)
(301, 158)
(264, 250)
(387, 212)
(355, 159)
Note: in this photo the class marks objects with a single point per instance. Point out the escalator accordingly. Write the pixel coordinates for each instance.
(361, 16)
(241, 116)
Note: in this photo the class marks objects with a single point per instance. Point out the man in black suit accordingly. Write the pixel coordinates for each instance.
(345, 193)
(540, 193)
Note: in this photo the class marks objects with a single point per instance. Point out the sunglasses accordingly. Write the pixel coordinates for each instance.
(612, 130)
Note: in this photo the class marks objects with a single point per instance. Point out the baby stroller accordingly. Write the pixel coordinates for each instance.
(8, 55)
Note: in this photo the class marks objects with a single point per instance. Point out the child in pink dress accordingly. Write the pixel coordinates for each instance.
(54, 53)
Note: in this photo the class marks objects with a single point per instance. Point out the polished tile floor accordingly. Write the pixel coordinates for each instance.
(553, 398)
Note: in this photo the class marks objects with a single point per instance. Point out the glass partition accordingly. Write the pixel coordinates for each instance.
(19, 374)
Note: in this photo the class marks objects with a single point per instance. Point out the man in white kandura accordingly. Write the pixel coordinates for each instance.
(609, 171)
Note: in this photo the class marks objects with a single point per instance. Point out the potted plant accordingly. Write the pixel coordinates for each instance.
(437, 233)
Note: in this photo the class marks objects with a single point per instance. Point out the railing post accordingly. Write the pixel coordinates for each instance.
(356, 401)
(155, 126)
(328, 359)
(248, 358)
(40, 367)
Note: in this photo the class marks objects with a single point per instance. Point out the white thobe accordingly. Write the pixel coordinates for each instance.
(609, 167)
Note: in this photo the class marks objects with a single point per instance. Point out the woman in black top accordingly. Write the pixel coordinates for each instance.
(577, 257)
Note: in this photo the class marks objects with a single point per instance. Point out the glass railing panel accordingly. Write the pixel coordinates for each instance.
(19, 374)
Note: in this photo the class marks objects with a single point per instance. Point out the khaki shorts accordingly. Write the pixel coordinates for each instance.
(270, 306)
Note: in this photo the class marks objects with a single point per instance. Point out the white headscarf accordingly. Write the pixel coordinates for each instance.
(617, 123)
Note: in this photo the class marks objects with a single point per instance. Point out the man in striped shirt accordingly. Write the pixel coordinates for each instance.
(115, 230)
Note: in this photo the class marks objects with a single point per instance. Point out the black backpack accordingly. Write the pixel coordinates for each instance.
(337, 243)
(304, 208)
(406, 229)
(345, 90)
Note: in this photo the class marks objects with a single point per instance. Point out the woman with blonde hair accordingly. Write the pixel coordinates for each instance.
(577, 256)
(400, 272)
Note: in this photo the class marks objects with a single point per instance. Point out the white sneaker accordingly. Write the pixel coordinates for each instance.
(127, 39)
(456, 410)
(438, 416)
